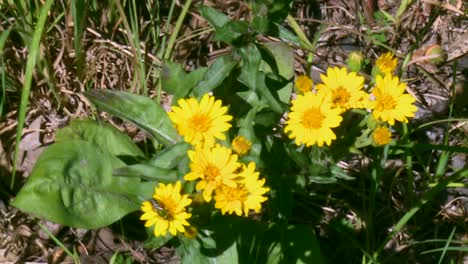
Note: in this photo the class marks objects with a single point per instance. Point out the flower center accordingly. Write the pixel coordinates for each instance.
(200, 122)
(386, 102)
(241, 145)
(236, 194)
(211, 172)
(340, 96)
(382, 136)
(313, 118)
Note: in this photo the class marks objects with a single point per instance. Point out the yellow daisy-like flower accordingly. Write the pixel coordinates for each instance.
(167, 210)
(246, 196)
(311, 118)
(391, 102)
(200, 123)
(382, 136)
(345, 88)
(214, 167)
(386, 63)
(241, 145)
(304, 84)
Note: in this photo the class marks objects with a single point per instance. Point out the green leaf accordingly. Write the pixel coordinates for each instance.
(72, 184)
(284, 59)
(177, 82)
(103, 135)
(276, 10)
(339, 173)
(171, 156)
(215, 75)
(287, 35)
(251, 59)
(191, 252)
(147, 172)
(266, 94)
(140, 110)
(214, 17)
(235, 33)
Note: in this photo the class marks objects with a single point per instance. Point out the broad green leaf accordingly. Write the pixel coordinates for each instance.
(266, 94)
(215, 75)
(140, 110)
(251, 59)
(72, 184)
(276, 10)
(214, 17)
(103, 135)
(147, 172)
(236, 33)
(191, 252)
(246, 129)
(287, 35)
(177, 82)
(170, 157)
(284, 59)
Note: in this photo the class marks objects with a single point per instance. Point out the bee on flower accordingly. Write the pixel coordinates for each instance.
(167, 210)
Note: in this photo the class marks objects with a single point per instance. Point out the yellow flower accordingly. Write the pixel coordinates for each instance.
(246, 196)
(345, 88)
(386, 63)
(303, 84)
(311, 119)
(391, 102)
(166, 211)
(200, 123)
(241, 145)
(382, 136)
(214, 167)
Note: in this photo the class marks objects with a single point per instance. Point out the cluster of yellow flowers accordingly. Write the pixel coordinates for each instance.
(315, 112)
(235, 187)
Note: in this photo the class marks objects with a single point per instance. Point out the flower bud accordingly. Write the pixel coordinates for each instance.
(355, 61)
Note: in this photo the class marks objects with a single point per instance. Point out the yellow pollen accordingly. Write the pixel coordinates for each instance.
(211, 172)
(200, 123)
(313, 118)
(237, 194)
(340, 96)
(386, 102)
(382, 136)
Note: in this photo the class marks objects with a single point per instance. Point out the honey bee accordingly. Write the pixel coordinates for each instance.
(157, 207)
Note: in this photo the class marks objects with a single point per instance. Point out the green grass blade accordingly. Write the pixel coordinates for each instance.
(60, 244)
(426, 197)
(172, 39)
(79, 9)
(3, 38)
(30, 64)
(449, 240)
(461, 249)
(136, 41)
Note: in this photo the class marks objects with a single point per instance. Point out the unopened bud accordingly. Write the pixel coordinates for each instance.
(355, 61)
